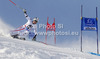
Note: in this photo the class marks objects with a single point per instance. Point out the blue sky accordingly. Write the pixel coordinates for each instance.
(66, 12)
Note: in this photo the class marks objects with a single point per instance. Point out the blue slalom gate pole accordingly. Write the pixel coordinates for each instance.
(97, 31)
(81, 29)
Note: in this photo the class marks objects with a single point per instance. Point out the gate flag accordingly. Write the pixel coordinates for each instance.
(89, 24)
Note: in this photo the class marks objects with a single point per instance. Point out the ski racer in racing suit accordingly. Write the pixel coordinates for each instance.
(29, 28)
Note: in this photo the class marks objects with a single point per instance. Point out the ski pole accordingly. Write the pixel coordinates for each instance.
(16, 5)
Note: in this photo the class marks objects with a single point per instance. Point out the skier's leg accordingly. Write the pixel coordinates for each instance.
(23, 35)
(14, 36)
(34, 38)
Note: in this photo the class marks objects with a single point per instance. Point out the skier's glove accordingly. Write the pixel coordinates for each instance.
(24, 10)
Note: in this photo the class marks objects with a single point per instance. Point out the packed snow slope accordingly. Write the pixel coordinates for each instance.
(18, 49)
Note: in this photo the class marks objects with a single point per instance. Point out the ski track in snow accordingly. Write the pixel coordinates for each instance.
(19, 49)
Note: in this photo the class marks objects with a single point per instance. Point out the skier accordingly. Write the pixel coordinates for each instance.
(29, 29)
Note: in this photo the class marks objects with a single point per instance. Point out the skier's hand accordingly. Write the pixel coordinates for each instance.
(24, 10)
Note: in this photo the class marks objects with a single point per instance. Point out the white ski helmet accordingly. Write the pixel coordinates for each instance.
(36, 19)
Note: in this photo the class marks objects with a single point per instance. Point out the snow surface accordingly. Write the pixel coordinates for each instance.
(18, 49)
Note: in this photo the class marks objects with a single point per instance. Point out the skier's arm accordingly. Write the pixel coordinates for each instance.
(25, 14)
